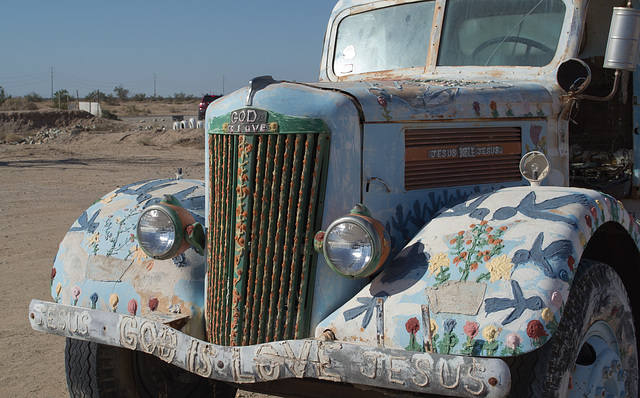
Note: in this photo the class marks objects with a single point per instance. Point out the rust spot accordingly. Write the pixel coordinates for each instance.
(493, 381)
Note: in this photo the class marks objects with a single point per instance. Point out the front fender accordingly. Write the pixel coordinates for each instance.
(487, 277)
(100, 265)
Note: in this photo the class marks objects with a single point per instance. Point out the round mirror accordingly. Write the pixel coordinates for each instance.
(574, 76)
(534, 166)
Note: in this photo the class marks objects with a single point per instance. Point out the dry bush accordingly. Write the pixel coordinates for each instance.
(133, 110)
(10, 137)
(18, 104)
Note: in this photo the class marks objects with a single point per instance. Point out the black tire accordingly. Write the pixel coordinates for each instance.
(597, 301)
(96, 370)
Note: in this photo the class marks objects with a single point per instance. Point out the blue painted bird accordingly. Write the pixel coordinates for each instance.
(529, 208)
(519, 304)
(144, 188)
(86, 223)
(473, 209)
(561, 249)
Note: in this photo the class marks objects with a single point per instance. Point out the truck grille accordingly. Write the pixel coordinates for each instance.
(265, 205)
(453, 157)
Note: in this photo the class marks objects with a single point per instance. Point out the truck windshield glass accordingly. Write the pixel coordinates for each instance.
(384, 39)
(500, 32)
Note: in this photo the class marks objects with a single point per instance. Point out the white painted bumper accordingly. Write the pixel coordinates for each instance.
(314, 359)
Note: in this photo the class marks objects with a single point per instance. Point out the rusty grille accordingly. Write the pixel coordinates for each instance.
(453, 157)
(264, 206)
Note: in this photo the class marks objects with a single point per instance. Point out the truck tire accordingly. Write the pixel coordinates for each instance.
(96, 370)
(594, 349)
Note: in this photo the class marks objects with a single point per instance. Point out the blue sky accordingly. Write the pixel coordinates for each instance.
(190, 46)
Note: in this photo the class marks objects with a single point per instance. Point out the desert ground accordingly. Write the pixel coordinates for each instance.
(64, 165)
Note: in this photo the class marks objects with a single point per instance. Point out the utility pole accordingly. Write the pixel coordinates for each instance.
(154, 85)
(222, 84)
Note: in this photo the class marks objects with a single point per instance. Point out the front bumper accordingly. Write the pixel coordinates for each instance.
(335, 361)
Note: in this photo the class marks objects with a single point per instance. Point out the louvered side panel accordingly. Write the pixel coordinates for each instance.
(454, 157)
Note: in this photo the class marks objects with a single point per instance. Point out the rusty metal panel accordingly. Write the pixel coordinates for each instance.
(453, 157)
(265, 197)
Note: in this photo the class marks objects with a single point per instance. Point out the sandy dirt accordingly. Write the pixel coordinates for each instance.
(44, 187)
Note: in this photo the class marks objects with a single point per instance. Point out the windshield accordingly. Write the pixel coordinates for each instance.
(501, 32)
(384, 39)
(475, 33)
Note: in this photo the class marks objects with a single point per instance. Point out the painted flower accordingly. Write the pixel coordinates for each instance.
(93, 239)
(113, 301)
(449, 325)
(412, 325)
(433, 327)
(75, 293)
(493, 106)
(437, 262)
(94, 300)
(58, 291)
(583, 239)
(138, 255)
(547, 315)
(471, 329)
(594, 212)
(476, 108)
(53, 273)
(600, 205)
(132, 307)
(513, 340)
(153, 303)
(571, 262)
(556, 299)
(534, 133)
(535, 330)
(490, 332)
(588, 220)
(500, 268)
(382, 101)
(449, 339)
(108, 199)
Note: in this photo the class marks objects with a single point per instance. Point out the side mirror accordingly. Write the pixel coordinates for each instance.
(622, 54)
(534, 166)
(574, 76)
(624, 33)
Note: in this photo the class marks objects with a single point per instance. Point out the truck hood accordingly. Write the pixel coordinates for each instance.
(385, 101)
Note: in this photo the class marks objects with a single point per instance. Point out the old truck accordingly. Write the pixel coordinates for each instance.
(440, 214)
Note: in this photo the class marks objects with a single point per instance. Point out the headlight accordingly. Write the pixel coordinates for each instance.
(355, 246)
(160, 232)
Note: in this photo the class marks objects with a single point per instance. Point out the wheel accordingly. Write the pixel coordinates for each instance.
(594, 350)
(514, 39)
(96, 370)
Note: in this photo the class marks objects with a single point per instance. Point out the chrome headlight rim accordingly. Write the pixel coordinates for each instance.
(376, 244)
(178, 238)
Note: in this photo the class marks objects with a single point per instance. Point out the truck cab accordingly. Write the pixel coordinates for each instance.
(440, 214)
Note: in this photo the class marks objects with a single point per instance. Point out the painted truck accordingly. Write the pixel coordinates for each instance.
(441, 214)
